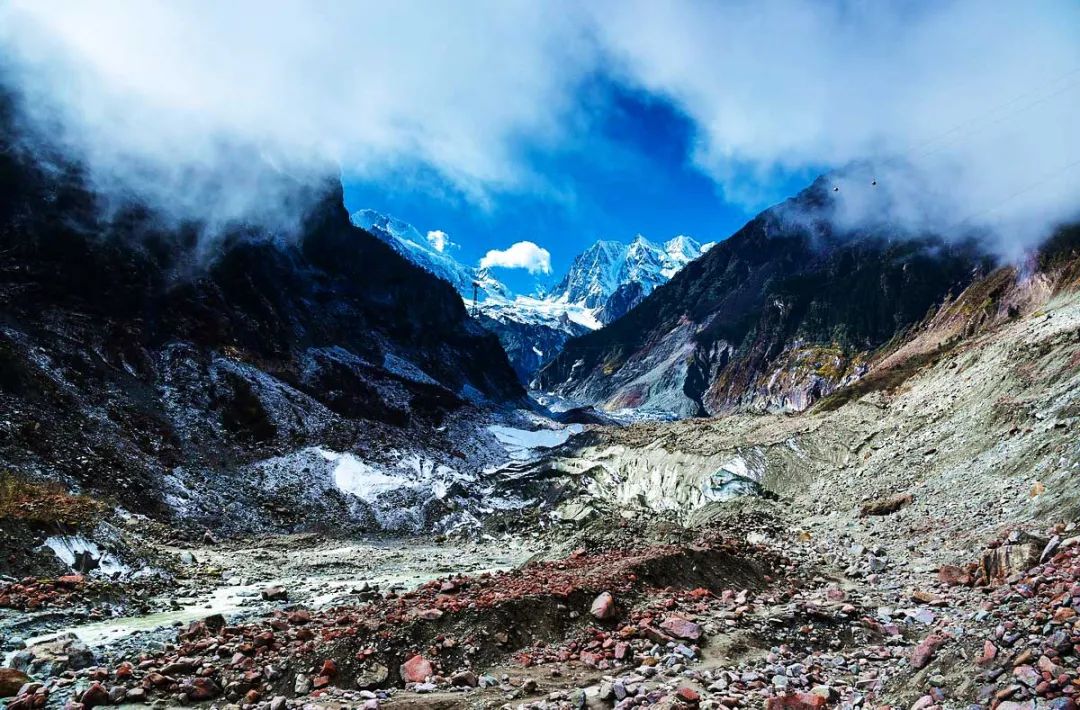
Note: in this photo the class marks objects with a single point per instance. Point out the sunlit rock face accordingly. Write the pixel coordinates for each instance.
(773, 318)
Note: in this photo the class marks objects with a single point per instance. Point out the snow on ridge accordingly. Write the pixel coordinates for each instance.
(598, 272)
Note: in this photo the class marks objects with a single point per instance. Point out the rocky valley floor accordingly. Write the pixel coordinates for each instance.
(912, 547)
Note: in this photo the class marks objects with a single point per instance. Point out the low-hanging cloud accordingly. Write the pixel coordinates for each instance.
(157, 96)
(440, 240)
(521, 255)
(963, 111)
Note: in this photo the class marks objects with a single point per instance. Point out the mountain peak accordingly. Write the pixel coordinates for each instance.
(609, 267)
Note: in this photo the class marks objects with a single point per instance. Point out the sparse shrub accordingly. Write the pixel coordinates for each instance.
(46, 504)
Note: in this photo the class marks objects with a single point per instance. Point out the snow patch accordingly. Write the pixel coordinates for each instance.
(353, 476)
(84, 555)
(522, 444)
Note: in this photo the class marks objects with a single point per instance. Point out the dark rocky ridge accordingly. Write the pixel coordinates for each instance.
(521, 340)
(773, 318)
(123, 356)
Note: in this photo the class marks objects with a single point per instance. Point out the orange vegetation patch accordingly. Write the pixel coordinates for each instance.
(45, 503)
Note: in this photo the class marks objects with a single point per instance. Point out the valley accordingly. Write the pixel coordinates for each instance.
(263, 447)
(829, 557)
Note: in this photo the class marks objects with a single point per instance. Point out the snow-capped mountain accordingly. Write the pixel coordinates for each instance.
(609, 278)
(604, 282)
(430, 252)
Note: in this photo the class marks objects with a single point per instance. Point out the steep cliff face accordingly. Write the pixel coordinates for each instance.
(773, 318)
(136, 365)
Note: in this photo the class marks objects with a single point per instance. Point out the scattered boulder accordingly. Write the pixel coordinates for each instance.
(1019, 554)
(372, 676)
(953, 576)
(886, 506)
(416, 670)
(275, 593)
(682, 628)
(688, 695)
(924, 652)
(989, 653)
(465, 679)
(52, 656)
(796, 701)
(199, 689)
(95, 695)
(11, 680)
(603, 607)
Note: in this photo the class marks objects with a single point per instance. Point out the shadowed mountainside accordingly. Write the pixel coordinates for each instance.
(128, 353)
(773, 318)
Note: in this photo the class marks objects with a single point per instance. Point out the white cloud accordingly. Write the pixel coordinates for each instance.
(439, 240)
(965, 109)
(520, 255)
(955, 105)
(381, 88)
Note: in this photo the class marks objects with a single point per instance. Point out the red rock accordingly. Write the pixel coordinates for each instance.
(329, 668)
(156, 680)
(200, 689)
(688, 695)
(953, 576)
(654, 634)
(923, 703)
(925, 651)
(796, 701)
(300, 617)
(124, 671)
(622, 650)
(1064, 614)
(429, 614)
(10, 681)
(989, 653)
(96, 694)
(681, 628)
(603, 607)
(416, 669)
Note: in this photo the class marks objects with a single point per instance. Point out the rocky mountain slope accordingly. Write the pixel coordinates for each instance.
(773, 318)
(259, 387)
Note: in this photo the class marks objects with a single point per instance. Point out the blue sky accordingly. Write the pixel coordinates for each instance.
(628, 173)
